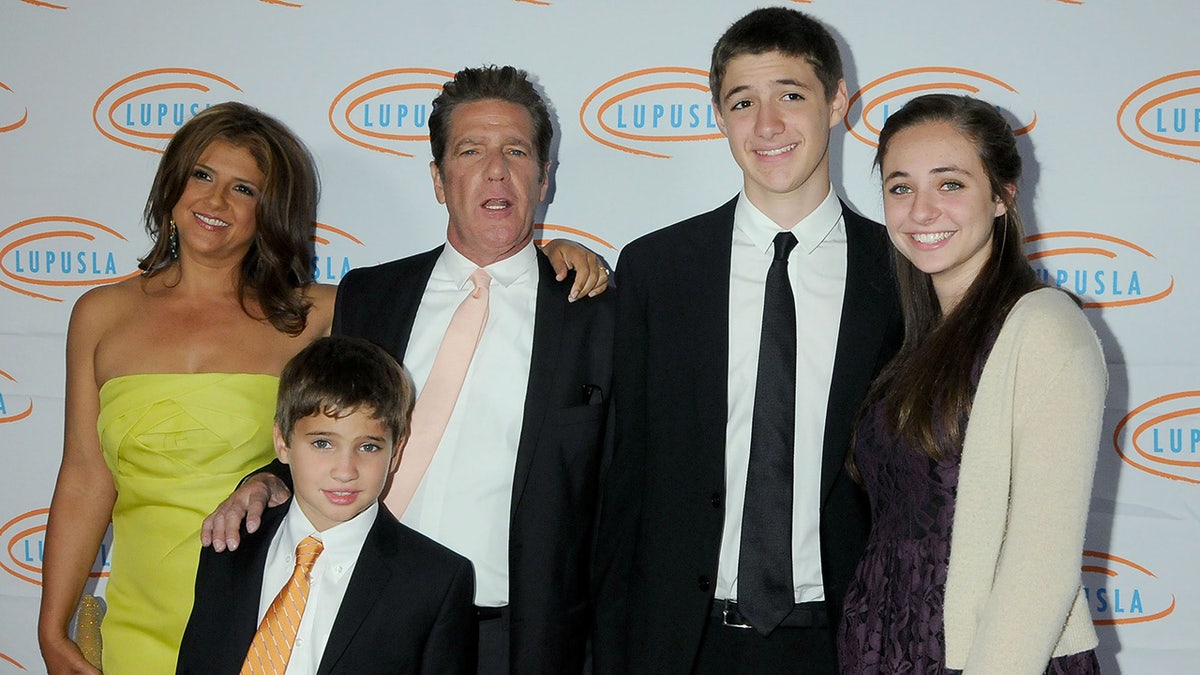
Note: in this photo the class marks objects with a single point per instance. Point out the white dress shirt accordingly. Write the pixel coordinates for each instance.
(817, 271)
(463, 501)
(330, 577)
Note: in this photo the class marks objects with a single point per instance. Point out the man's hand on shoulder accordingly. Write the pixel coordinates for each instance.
(222, 528)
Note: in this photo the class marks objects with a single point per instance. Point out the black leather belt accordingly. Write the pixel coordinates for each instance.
(803, 615)
(490, 613)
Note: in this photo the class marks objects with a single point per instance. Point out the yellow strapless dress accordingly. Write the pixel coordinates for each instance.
(177, 445)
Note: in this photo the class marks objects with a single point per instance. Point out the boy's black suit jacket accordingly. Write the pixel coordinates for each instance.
(408, 608)
(663, 507)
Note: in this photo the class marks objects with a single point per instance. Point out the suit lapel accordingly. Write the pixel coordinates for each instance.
(371, 573)
(708, 330)
(246, 585)
(408, 300)
(868, 310)
(548, 321)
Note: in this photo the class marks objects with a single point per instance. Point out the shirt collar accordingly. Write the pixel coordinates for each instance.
(520, 266)
(810, 231)
(342, 542)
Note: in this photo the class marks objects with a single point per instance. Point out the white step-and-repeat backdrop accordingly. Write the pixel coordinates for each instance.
(1106, 94)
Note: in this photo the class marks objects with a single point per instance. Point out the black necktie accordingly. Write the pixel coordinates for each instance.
(765, 592)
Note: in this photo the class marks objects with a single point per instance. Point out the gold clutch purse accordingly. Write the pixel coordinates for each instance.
(87, 628)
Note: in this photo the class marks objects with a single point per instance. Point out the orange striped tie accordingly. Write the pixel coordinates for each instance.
(272, 646)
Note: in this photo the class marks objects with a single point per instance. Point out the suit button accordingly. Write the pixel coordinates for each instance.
(715, 500)
(703, 583)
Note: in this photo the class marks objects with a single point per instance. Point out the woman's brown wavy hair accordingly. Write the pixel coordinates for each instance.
(278, 265)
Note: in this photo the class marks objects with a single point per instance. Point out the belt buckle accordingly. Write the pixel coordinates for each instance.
(725, 617)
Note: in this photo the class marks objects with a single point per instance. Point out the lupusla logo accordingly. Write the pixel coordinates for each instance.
(1103, 270)
(1120, 591)
(543, 3)
(12, 115)
(282, 3)
(642, 111)
(1163, 116)
(388, 111)
(544, 232)
(1162, 437)
(335, 248)
(41, 3)
(23, 539)
(51, 256)
(145, 109)
(870, 106)
(13, 407)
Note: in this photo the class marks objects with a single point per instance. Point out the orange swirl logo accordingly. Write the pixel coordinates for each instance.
(1103, 270)
(388, 111)
(6, 657)
(143, 110)
(1163, 116)
(334, 249)
(1162, 437)
(46, 257)
(12, 115)
(544, 232)
(1119, 591)
(642, 111)
(870, 106)
(283, 3)
(13, 407)
(24, 541)
(42, 3)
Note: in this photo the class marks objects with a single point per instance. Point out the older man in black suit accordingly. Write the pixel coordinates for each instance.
(513, 482)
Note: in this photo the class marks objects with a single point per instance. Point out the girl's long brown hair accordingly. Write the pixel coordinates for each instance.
(927, 388)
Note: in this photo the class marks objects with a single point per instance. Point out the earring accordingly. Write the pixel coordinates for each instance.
(173, 240)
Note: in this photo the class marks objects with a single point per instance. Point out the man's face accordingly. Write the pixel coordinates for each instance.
(774, 112)
(490, 180)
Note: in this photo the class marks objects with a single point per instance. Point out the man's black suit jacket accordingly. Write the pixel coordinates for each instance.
(663, 504)
(408, 607)
(556, 479)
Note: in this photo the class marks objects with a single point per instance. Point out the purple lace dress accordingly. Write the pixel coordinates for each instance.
(892, 617)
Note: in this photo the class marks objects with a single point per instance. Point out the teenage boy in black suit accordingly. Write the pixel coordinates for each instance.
(700, 375)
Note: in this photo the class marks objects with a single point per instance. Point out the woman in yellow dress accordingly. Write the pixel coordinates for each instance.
(172, 375)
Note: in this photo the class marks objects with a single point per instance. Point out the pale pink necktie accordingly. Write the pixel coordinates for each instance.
(436, 402)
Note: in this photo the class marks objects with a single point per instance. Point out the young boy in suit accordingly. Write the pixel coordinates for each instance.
(379, 597)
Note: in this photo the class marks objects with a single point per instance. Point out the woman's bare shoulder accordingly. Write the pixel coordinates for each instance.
(108, 303)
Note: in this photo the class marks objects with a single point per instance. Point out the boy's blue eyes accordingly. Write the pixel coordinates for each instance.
(324, 444)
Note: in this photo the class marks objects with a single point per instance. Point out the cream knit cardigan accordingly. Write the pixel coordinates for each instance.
(1013, 589)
